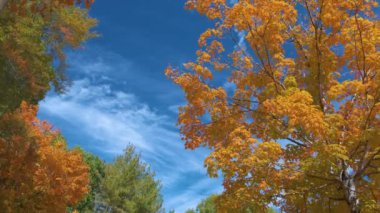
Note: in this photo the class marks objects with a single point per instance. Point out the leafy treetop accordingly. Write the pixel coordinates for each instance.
(38, 173)
(33, 35)
(129, 185)
(299, 125)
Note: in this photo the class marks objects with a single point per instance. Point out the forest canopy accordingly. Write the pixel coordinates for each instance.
(281, 98)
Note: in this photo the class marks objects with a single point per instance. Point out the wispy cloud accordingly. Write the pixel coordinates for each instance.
(190, 197)
(241, 35)
(112, 117)
(108, 119)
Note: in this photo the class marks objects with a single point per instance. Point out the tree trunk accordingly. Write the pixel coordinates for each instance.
(2, 4)
(350, 192)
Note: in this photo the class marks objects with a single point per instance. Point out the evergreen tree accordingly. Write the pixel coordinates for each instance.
(130, 186)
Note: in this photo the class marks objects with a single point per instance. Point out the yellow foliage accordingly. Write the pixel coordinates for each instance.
(302, 121)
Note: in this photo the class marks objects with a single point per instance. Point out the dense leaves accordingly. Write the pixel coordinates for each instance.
(129, 185)
(298, 125)
(38, 173)
(33, 35)
(96, 175)
(209, 205)
(205, 206)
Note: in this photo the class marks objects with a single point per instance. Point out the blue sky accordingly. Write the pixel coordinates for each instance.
(119, 94)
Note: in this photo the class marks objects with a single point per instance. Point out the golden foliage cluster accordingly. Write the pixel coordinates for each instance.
(300, 127)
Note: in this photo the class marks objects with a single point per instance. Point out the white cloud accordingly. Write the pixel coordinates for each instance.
(241, 44)
(97, 111)
(229, 86)
(241, 36)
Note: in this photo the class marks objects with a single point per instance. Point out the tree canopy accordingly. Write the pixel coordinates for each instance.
(205, 206)
(33, 35)
(285, 93)
(38, 173)
(96, 176)
(129, 185)
(209, 205)
(298, 126)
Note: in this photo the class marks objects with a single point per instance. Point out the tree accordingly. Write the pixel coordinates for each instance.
(298, 126)
(87, 3)
(33, 35)
(129, 185)
(207, 205)
(38, 173)
(210, 205)
(96, 174)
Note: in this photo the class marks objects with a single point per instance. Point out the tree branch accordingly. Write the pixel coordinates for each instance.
(296, 142)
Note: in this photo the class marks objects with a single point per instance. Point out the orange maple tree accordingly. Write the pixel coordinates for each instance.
(38, 173)
(299, 124)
